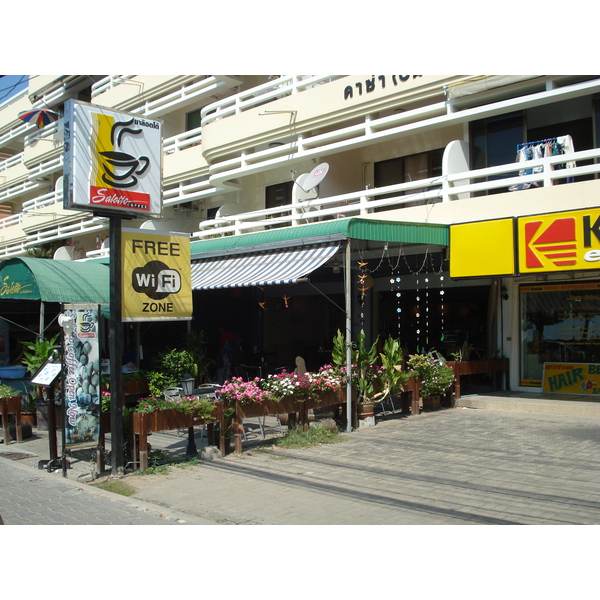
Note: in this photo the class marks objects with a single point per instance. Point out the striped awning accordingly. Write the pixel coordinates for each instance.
(264, 268)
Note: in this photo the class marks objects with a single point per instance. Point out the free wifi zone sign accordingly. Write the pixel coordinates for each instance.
(156, 276)
(564, 241)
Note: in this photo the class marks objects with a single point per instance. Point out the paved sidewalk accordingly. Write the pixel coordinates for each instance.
(460, 466)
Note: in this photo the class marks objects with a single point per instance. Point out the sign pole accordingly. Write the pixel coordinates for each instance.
(115, 338)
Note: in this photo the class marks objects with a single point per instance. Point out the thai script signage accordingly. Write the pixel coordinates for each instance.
(571, 378)
(156, 276)
(81, 364)
(375, 82)
(113, 161)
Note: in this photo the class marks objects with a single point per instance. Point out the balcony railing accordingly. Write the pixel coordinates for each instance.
(261, 94)
(108, 83)
(42, 201)
(176, 143)
(12, 161)
(448, 187)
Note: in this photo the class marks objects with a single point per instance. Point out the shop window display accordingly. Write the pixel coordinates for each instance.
(560, 322)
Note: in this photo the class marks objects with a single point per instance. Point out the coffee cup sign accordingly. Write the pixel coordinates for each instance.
(113, 161)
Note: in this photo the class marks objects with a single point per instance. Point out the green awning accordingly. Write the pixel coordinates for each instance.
(353, 228)
(50, 280)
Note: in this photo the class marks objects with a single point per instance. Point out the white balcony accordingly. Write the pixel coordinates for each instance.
(450, 188)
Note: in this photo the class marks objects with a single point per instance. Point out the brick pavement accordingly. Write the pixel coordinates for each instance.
(460, 466)
(450, 467)
(29, 497)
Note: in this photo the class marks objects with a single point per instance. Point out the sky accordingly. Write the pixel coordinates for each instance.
(11, 85)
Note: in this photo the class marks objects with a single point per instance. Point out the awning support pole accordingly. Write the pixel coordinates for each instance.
(348, 295)
(42, 313)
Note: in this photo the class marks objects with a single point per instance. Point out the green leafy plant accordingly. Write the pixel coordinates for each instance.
(199, 408)
(367, 372)
(435, 375)
(171, 366)
(6, 391)
(338, 353)
(40, 351)
(394, 376)
(196, 344)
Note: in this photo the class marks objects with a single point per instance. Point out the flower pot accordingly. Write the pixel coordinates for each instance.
(365, 410)
(366, 414)
(29, 418)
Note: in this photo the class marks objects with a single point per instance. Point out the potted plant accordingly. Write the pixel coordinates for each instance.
(394, 376)
(29, 415)
(366, 374)
(436, 377)
(40, 350)
(170, 369)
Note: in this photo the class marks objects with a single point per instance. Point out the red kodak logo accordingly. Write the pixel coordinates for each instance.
(556, 242)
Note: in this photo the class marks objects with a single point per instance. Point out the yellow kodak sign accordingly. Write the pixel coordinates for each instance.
(571, 378)
(156, 276)
(565, 241)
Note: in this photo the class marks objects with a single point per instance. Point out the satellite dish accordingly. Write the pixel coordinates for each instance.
(314, 178)
(64, 253)
(299, 194)
(58, 186)
(105, 244)
(228, 210)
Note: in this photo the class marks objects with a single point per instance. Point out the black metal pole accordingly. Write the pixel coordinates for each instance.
(191, 447)
(115, 335)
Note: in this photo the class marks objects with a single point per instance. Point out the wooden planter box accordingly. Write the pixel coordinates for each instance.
(432, 402)
(11, 406)
(142, 424)
(477, 367)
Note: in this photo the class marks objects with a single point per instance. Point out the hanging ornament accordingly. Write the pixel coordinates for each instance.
(285, 300)
(263, 305)
(427, 311)
(362, 288)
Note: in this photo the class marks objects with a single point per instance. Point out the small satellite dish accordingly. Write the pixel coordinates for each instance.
(58, 186)
(314, 178)
(228, 210)
(64, 253)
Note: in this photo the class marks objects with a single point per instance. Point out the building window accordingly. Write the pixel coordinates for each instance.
(560, 322)
(192, 119)
(494, 142)
(407, 168)
(279, 194)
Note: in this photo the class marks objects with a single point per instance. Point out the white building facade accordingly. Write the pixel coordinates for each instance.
(407, 149)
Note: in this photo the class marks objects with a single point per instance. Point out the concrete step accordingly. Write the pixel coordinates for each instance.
(551, 404)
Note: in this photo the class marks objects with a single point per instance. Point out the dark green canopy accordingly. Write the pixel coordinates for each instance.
(50, 280)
